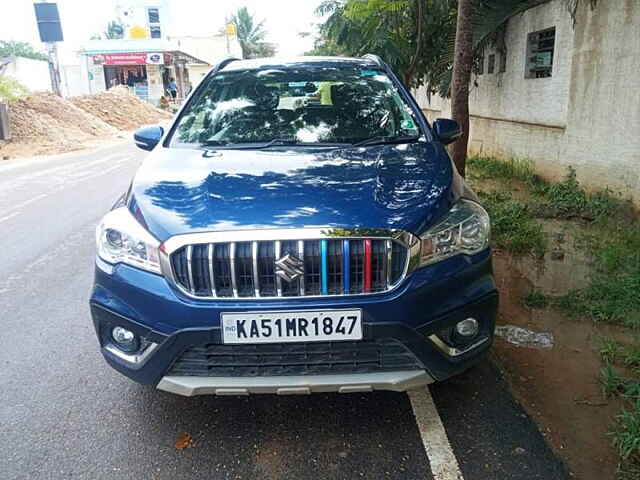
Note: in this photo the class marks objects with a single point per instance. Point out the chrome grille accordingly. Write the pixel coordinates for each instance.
(247, 269)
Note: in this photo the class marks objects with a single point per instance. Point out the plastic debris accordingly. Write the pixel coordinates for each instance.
(521, 337)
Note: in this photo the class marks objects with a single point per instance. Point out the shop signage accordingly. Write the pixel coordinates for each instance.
(155, 59)
(129, 59)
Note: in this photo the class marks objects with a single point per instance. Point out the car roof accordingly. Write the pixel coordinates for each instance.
(297, 62)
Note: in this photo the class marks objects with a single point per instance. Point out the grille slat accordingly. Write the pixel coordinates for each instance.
(366, 356)
(222, 269)
(246, 269)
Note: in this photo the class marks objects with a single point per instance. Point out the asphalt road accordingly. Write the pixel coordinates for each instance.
(65, 414)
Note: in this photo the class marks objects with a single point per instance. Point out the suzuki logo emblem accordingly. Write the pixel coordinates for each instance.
(289, 267)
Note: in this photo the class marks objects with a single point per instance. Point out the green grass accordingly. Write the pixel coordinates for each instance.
(626, 434)
(614, 352)
(613, 294)
(627, 437)
(611, 381)
(567, 199)
(613, 238)
(513, 227)
(493, 168)
(535, 300)
(609, 350)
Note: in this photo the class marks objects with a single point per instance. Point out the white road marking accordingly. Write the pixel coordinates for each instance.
(18, 206)
(444, 465)
(11, 215)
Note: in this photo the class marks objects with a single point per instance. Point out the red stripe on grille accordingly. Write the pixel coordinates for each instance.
(367, 265)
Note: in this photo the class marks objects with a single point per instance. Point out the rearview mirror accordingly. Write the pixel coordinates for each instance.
(447, 130)
(148, 137)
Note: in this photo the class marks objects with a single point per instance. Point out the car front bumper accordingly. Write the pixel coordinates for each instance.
(295, 384)
(429, 301)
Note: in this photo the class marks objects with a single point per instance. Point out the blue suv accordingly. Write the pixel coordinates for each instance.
(299, 228)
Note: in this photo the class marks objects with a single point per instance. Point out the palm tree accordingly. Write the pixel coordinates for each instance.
(250, 34)
(462, 63)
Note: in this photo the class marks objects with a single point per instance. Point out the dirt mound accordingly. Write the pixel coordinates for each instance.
(43, 123)
(119, 108)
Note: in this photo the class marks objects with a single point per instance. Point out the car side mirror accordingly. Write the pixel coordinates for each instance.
(447, 130)
(148, 137)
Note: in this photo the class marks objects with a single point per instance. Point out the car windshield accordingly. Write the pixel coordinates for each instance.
(318, 105)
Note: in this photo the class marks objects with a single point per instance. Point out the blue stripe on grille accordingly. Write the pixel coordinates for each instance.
(323, 256)
(345, 266)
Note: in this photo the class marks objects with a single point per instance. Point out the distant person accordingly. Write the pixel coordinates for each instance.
(173, 88)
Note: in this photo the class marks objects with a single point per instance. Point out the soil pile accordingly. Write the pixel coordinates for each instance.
(44, 123)
(119, 108)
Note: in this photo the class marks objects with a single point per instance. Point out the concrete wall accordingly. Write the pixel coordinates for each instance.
(33, 74)
(602, 138)
(587, 114)
(211, 49)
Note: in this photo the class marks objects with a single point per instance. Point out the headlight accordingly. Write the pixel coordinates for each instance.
(121, 239)
(465, 230)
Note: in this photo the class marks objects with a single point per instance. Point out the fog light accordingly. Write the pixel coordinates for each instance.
(125, 339)
(467, 328)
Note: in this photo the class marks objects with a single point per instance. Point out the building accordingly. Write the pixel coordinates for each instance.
(211, 49)
(144, 18)
(147, 57)
(33, 74)
(144, 65)
(562, 94)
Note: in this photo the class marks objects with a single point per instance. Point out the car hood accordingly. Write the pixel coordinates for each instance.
(406, 186)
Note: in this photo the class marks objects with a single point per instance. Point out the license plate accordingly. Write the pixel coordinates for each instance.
(294, 326)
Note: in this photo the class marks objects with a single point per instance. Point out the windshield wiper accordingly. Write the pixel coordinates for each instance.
(386, 140)
(250, 145)
(214, 143)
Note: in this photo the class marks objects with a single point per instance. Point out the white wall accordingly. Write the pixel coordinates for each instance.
(511, 96)
(71, 80)
(211, 49)
(603, 126)
(586, 115)
(33, 74)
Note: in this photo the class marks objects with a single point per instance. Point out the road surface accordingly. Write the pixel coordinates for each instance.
(65, 414)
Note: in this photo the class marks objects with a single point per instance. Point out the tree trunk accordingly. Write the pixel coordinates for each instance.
(462, 64)
(408, 77)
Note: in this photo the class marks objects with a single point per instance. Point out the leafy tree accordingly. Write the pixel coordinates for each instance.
(11, 89)
(265, 49)
(410, 35)
(114, 31)
(20, 49)
(251, 34)
(430, 42)
(480, 23)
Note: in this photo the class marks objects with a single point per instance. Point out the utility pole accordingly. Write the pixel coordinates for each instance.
(54, 69)
(50, 31)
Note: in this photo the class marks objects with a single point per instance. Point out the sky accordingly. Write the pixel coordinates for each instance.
(284, 19)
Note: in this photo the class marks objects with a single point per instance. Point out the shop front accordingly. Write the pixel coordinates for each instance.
(142, 72)
(148, 74)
